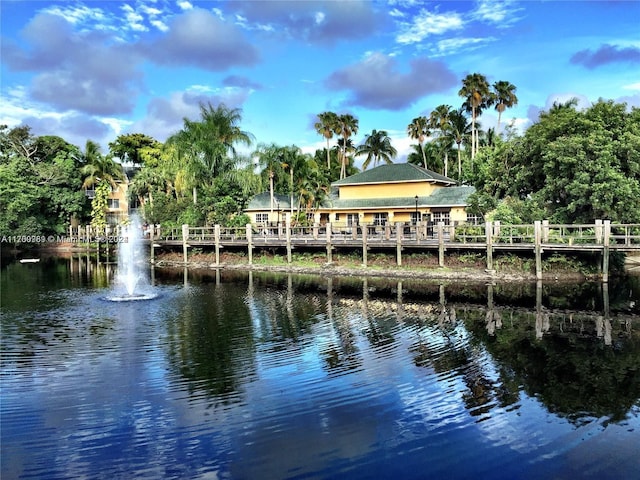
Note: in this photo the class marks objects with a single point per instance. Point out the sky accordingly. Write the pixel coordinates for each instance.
(93, 70)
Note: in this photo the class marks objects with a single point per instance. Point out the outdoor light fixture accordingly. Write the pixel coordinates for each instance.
(416, 219)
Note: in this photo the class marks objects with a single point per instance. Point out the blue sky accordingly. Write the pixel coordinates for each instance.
(96, 69)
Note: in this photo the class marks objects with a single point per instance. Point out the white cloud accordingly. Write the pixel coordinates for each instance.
(77, 14)
(498, 12)
(632, 86)
(160, 25)
(454, 45)
(427, 23)
(184, 5)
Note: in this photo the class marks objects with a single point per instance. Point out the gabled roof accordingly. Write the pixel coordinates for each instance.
(442, 197)
(262, 201)
(393, 173)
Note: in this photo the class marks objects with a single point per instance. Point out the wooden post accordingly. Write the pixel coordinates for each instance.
(315, 231)
(537, 233)
(399, 228)
(364, 245)
(545, 231)
(151, 242)
(488, 232)
(598, 231)
(288, 237)
(216, 236)
(329, 247)
(441, 244)
(605, 250)
(185, 238)
(249, 243)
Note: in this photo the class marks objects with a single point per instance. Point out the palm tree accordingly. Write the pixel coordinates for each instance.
(505, 97)
(326, 126)
(271, 159)
(418, 129)
(344, 150)
(347, 125)
(377, 146)
(207, 147)
(475, 91)
(439, 120)
(98, 168)
(294, 161)
(461, 132)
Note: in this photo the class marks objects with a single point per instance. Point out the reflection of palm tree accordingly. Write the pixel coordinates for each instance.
(418, 129)
(376, 146)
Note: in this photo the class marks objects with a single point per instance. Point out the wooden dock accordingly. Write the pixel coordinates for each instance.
(539, 238)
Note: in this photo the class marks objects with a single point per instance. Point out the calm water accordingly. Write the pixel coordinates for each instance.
(261, 376)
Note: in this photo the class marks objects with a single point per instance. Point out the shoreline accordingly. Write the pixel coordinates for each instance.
(337, 270)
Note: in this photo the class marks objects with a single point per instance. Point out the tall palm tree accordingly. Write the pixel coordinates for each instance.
(475, 91)
(461, 133)
(418, 129)
(99, 168)
(439, 120)
(344, 151)
(271, 159)
(505, 97)
(326, 126)
(347, 125)
(293, 161)
(377, 146)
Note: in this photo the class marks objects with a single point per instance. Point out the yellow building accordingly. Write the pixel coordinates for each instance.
(399, 192)
(117, 202)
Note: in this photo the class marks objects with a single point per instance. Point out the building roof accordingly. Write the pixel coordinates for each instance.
(262, 201)
(442, 197)
(393, 173)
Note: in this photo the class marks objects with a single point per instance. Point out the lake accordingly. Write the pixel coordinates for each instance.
(248, 375)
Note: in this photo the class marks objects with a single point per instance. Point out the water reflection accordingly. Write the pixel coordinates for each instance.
(581, 364)
(264, 375)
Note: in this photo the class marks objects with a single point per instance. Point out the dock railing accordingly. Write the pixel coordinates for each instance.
(540, 237)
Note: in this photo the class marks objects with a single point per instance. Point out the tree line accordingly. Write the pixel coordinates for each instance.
(570, 166)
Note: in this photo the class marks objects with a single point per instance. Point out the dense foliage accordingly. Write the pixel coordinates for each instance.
(40, 183)
(571, 166)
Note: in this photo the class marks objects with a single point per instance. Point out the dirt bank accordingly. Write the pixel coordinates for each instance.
(379, 268)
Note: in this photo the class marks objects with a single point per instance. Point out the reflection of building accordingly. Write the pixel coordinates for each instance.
(399, 192)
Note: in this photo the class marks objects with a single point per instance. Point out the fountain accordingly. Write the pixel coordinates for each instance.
(130, 280)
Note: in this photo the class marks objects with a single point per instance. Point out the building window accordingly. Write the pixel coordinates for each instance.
(379, 219)
(415, 218)
(113, 203)
(352, 219)
(474, 219)
(443, 217)
(262, 217)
